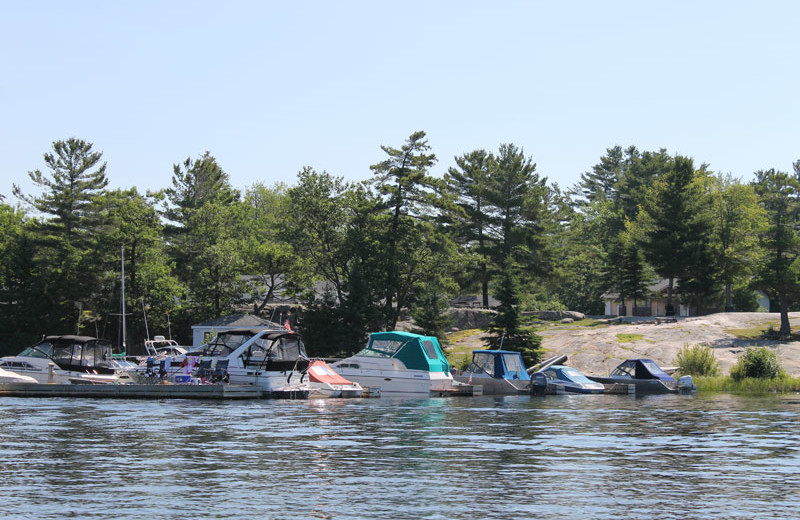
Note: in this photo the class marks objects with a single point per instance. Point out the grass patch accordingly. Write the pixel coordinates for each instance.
(748, 385)
(586, 322)
(754, 332)
(629, 338)
(461, 355)
(457, 336)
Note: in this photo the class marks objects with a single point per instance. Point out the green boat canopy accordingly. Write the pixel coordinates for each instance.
(415, 351)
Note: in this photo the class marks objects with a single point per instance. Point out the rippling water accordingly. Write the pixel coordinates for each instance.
(514, 457)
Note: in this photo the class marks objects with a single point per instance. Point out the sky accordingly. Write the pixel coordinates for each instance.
(270, 87)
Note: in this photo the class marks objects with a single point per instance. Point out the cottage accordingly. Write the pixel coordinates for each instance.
(655, 303)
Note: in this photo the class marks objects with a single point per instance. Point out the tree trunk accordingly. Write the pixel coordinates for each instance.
(728, 298)
(786, 328)
(484, 286)
(670, 310)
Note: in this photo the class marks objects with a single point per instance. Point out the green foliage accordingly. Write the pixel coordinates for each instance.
(778, 271)
(745, 299)
(697, 360)
(429, 313)
(747, 385)
(760, 363)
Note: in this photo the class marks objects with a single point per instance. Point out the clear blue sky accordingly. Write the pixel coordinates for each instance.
(270, 87)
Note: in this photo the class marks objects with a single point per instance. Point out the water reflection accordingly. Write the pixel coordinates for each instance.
(570, 456)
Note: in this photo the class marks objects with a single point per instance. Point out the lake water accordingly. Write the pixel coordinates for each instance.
(566, 457)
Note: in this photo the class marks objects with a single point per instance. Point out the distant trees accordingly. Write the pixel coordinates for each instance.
(365, 256)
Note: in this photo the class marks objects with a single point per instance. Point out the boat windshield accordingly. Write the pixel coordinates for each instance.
(574, 375)
(39, 351)
(224, 344)
(624, 370)
(288, 349)
(481, 364)
(383, 348)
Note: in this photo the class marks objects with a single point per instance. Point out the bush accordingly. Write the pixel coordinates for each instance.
(759, 363)
(698, 360)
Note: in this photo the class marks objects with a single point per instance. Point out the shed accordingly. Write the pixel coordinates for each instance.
(202, 331)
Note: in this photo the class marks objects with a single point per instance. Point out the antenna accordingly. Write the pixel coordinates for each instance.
(124, 331)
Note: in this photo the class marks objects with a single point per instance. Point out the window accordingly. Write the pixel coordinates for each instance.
(430, 349)
(513, 363)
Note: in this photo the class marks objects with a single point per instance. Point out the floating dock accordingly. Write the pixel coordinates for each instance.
(208, 392)
(459, 389)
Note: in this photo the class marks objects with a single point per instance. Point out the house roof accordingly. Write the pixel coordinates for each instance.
(659, 286)
(238, 321)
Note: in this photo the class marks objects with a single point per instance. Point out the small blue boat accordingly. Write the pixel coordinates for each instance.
(499, 372)
(571, 379)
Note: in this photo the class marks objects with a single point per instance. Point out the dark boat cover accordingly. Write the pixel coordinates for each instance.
(641, 369)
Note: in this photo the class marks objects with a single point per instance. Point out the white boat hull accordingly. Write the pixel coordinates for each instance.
(392, 377)
(39, 369)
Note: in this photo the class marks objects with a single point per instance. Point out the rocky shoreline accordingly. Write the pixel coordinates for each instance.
(599, 348)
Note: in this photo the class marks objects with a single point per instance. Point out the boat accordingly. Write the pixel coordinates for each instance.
(273, 359)
(325, 382)
(67, 359)
(399, 362)
(646, 376)
(571, 379)
(499, 372)
(7, 376)
(159, 346)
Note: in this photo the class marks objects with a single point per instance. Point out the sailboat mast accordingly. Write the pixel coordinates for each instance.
(124, 331)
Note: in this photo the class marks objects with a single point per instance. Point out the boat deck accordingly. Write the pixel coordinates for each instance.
(218, 392)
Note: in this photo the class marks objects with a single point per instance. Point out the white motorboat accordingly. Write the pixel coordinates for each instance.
(67, 359)
(273, 359)
(7, 376)
(325, 382)
(399, 363)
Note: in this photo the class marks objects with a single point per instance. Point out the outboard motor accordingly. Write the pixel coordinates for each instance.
(686, 385)
(538, 383)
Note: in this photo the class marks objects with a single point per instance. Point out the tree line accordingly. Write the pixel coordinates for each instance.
(362, 255)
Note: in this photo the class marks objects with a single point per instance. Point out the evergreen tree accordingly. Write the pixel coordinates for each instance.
(410, 195)
(75, 179)
(67, 266)
(468, 181)
(517, 197)
(779, 195)
(672, 232)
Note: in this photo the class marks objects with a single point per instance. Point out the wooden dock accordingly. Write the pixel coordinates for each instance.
(460, 389)
(207, 392)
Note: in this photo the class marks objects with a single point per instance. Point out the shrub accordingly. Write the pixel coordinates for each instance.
(697, 360)
(758, 363)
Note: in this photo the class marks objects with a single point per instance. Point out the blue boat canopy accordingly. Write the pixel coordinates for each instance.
(641, 369)
(500, 364)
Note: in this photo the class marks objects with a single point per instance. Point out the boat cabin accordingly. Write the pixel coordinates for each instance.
(641, 369)
(500, 364)
(416, 352)
(74, 353)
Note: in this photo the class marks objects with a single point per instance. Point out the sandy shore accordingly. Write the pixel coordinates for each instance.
(598, 349)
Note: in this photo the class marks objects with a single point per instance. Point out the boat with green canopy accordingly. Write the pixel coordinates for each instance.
(399, 362)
